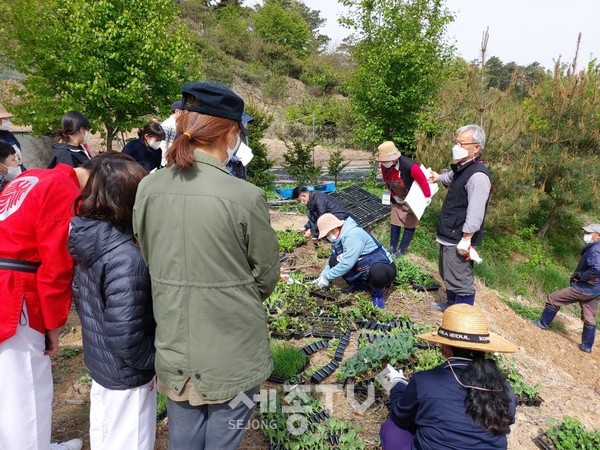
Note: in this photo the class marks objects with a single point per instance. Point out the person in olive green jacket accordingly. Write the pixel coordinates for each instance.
(213, 257)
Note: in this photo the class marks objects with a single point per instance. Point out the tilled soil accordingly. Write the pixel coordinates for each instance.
(570, 379)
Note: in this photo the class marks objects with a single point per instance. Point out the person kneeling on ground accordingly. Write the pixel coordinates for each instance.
(357, 257)
(584, 289)
(317, 203)
(465, 402)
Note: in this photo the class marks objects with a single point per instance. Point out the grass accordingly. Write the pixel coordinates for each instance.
(287, 360)
(532, 313)
(161, 403)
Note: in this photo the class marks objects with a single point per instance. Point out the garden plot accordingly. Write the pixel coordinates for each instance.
(569, 380)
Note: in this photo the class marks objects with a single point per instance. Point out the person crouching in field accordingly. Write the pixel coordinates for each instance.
(112, 294)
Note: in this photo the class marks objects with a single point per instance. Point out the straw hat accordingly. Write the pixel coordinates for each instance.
(4, 114)
(466, 326)
(326, 223)
(387, 152)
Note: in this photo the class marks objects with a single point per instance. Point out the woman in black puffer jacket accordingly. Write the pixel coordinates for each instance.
(112, 294)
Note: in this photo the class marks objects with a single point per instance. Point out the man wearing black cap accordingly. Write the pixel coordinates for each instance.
(169, 127)
(213, 258)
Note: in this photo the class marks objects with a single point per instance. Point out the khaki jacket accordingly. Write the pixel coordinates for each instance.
(213, 257)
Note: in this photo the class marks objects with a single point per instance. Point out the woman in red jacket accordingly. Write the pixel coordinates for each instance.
(398, 174)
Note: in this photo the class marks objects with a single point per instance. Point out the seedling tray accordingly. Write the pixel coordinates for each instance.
(315, 347)
(324, 372)
(324, 327)
(528, 401)
(543, 442)
(341, 348)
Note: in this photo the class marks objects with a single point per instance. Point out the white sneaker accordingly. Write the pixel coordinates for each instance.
(73, 444)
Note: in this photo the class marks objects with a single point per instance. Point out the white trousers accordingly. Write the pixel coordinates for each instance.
(25, 390)
(123, 420)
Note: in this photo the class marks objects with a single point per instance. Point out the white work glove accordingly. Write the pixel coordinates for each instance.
(474, 256)
(322, 282)
(463, 247)
(390, 377)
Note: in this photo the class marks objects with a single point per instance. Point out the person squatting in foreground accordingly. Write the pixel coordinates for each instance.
(464, 403)
(357, 257)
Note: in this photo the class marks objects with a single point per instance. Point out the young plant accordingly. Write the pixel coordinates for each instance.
(376, 356)
(288, 360)
(570, 435)
(412, 274)
(289, 240)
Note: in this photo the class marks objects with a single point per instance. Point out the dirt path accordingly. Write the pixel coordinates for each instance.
(570, 379)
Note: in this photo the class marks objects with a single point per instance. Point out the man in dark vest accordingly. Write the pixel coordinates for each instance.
(460, 223)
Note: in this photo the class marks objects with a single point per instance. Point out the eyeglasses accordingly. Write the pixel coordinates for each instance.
(462, 144)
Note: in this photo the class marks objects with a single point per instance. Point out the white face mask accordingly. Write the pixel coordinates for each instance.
(388, 164)
(12, 172)
(154, 144)
(86, 137)
(232, 151)
(331, 238)
(587, 238)
(459, 153)
(6, 124)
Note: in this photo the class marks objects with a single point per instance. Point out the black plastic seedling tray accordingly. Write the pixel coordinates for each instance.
(315, 347)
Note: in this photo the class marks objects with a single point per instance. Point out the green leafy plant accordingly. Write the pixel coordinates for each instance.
(570, 435)
(412, 274)
(376, 356)
(287, 360)
(70, 352)
(323, 250)
(427, 359)
(521, 388)
(289, 240)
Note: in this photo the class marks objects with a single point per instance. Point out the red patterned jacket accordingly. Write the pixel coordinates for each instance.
(35, 210)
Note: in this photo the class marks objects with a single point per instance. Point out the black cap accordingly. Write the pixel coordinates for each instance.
(214, 100)
(177, 105)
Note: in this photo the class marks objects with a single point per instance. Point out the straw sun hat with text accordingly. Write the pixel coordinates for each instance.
(466, 326)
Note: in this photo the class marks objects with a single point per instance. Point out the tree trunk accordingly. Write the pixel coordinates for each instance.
(110, 134)
(544, 228)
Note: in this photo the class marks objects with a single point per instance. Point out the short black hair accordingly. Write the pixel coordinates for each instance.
(6, 150)
(297, 191)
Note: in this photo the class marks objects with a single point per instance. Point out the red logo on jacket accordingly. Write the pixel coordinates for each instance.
(14, 194)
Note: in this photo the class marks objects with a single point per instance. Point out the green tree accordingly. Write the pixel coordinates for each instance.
(114, 60)
(299, 163)
(284, 27)
(336, 164)
(400, 57)
(260, 166)
(564, 137)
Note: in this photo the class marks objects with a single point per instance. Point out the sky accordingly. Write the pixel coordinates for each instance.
(522, 31)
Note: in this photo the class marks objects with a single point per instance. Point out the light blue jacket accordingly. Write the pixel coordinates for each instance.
(352, 243)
